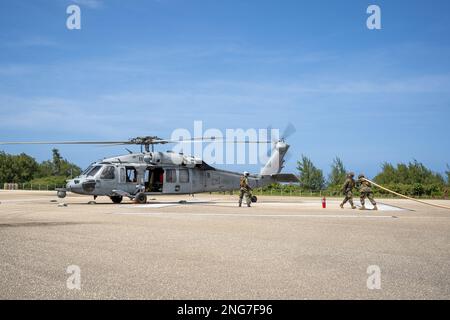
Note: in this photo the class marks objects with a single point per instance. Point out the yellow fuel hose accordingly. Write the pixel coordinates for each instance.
(406, 197)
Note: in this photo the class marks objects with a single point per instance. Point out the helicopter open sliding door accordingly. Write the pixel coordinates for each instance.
(154, 179)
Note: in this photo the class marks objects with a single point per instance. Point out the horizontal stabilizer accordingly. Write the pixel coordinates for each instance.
(285, 177)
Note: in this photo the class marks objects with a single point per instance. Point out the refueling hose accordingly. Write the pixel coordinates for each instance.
(406, 197)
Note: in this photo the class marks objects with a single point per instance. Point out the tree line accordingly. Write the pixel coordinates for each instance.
(23, 168)
(413, 178)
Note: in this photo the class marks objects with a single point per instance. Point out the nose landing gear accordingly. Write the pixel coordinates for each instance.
(61, 194)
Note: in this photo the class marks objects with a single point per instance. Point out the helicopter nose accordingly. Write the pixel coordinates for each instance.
(73, 185)
(88, 186)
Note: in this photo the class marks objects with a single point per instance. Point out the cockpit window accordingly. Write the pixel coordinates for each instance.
(108, 173)
(93, 171)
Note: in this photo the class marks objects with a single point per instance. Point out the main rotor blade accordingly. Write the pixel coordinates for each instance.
(136, 141)
(63, 142)
(213, 139)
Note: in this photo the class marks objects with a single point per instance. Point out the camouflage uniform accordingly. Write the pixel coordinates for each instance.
(365, 188)
(347, 189)
(245, 189)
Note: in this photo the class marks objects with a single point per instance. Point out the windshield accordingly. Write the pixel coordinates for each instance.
(93, 171)
(87, 170)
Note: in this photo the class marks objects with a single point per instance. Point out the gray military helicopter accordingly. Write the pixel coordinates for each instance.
(149, 172)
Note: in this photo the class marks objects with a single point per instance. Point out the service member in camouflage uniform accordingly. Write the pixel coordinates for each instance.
(347, 189)
(245, 189)
(365, 188)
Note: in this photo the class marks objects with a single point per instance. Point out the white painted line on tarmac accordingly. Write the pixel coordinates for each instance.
(165, 204)
(289, 215)
(256, 215)
(151, 205)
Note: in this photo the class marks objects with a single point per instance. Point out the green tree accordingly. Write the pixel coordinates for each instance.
(57, 167)
(417, 172)
(338, 173)
(69, 169)
(56, 162)
(311, 178)
(448, 174)
(23, 168)
(413, 178)
(413, 172)
(17, 168)
(387, 175)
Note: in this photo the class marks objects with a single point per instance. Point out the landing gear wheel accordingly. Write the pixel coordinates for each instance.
(61, 194)
(254, 199)
(141, 198)
(116, 199)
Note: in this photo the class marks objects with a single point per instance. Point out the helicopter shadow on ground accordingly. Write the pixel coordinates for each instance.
(44, 224)
(137, 205)
(179, 202)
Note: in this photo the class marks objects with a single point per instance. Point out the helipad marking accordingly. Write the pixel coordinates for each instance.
(369, 206)
(311, 204)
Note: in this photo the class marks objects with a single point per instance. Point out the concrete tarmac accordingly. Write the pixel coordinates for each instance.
(208, 248)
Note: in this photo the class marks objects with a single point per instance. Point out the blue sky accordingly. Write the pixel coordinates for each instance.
(149, 67)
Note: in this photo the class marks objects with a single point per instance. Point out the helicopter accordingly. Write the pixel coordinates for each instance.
(149, 172)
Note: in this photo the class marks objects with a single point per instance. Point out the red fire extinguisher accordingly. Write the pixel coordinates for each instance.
(324, 202)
